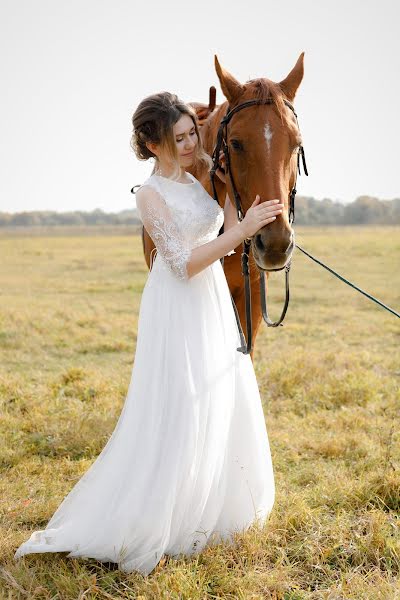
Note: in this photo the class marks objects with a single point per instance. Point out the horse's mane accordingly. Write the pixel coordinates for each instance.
(264, 89)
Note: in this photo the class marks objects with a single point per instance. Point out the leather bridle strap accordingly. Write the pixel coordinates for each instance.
(221, 143)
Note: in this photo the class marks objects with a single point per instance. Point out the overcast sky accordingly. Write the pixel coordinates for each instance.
(73, 71)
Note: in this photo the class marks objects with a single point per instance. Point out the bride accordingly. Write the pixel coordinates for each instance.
(188, 462)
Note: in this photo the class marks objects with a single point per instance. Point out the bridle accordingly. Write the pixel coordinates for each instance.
(222, 144)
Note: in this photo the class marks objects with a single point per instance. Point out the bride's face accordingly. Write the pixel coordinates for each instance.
(185, 139)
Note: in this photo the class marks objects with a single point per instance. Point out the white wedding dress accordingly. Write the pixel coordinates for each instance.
(188, 462)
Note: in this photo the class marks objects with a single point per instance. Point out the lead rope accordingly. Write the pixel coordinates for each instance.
(369, 296)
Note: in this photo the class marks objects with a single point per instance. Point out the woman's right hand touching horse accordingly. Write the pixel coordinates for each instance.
(259, 215)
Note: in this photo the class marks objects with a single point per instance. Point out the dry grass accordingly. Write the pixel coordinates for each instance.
(330, 386)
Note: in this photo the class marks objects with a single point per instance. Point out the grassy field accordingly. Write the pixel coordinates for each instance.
(329, 380)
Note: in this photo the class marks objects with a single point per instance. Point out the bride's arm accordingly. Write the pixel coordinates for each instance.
(230, 218)
(230, 214)
(170, 241)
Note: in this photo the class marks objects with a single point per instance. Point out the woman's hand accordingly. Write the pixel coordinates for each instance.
(221, 169)
(259, 215)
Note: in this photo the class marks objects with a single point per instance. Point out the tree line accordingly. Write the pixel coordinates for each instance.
(365, 210)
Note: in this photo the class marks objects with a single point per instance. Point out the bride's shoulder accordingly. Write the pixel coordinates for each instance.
(149, 193)
(151, 180)
(198, 182)
(151, 183)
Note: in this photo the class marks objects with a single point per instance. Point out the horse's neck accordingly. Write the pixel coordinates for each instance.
(208, 132)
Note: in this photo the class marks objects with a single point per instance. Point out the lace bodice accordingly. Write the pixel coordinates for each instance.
(178, 218)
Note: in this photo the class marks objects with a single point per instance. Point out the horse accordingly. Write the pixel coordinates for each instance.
(263, 142)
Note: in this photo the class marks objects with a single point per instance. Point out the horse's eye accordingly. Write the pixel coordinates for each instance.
(236, 145)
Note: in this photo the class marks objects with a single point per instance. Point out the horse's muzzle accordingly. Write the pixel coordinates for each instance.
(271, 259)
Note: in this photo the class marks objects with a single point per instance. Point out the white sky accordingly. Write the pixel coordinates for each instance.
(73, 71)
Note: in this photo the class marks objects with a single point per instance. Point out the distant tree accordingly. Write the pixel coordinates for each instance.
(394, 211)
(309, 211)
(367, 210)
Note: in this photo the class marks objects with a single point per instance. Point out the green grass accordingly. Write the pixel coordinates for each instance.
(329, 380)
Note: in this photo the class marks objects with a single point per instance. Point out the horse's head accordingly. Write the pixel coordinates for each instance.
(263, 141)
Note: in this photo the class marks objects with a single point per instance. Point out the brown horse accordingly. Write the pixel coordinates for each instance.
(263, 142)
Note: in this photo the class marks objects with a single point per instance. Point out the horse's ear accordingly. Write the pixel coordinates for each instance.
(231, 88)
(290, 84)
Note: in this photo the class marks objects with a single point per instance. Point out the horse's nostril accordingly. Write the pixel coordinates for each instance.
(259, 242)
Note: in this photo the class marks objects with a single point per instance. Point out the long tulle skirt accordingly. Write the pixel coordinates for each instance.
(188, 462)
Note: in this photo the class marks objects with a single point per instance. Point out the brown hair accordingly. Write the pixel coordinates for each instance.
(153, 121)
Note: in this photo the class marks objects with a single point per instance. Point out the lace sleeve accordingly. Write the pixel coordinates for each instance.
(159, 223)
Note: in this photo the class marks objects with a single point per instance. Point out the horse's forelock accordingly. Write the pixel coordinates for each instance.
(264, 89)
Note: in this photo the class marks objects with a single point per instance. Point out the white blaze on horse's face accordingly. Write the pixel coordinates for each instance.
(268, 135)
